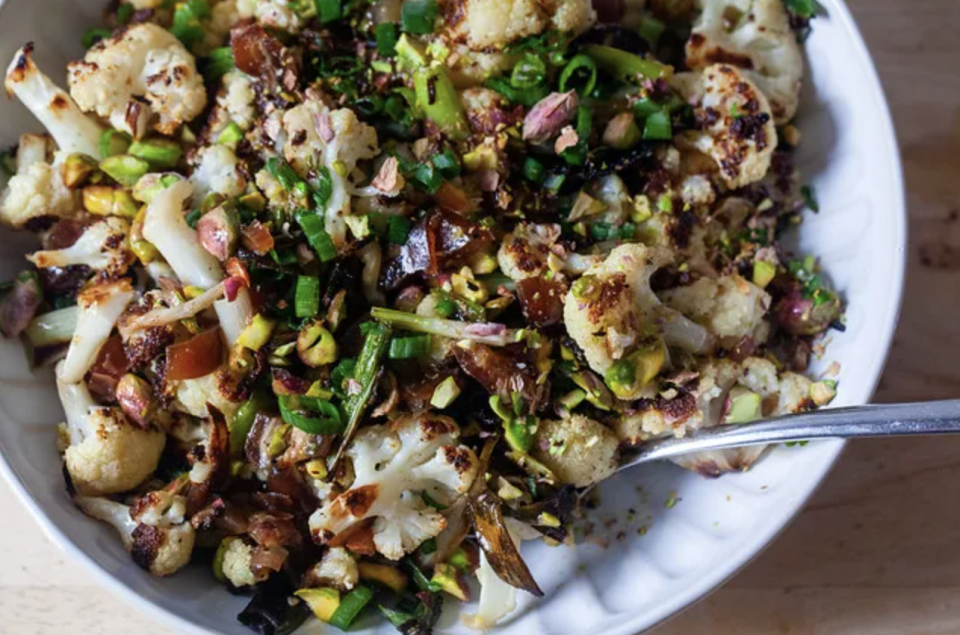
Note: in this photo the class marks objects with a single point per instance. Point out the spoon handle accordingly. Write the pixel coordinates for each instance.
(881, 420)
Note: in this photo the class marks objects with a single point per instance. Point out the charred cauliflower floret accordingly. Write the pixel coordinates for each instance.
(107, 454)
(237, 558)
(55, 109)
(234, 104)
(141, 76)
(276, 14)
(100, 309)
(735, 123)
(217, 171)
(611, 310)
(37, 189)
(336, 569)
(103, 247)
(730, 307)
(755, 36)
(578, 450)
(193, 395)
(316, 137)
(524, 252)
(493, 24)
(154, 530)
(394, 464)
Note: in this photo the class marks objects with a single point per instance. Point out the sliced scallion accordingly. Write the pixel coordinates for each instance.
(413, 347)
(418, 16)
(658, 127)
(398, 230)
(307, 298)
(386, 36)
(317, 236)
(350, 607)
(579, 74)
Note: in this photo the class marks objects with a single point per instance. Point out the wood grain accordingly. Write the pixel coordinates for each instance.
(878, 550)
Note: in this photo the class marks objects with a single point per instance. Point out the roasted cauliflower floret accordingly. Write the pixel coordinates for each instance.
(154, 530)
(276, 14)
(315, 137)
(336, 569)
(493, 24)
(215, 389)
(578, 450)
(37, 189)
(237, 557)
(524, 252)
(759, 41)
(141, 76)
(107, 454)
(735, 123)
(217, 171)
(70, 128)
(730, 307)
(394, 464)
(103, 246)
(611, 310)
(234, 104)
(100, 309)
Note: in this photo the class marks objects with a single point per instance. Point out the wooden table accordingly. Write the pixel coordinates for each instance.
(878, 549)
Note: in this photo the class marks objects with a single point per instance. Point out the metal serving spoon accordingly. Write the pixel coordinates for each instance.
(881, 420)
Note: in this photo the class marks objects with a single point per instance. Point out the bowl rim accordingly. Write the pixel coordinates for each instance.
(765, 533)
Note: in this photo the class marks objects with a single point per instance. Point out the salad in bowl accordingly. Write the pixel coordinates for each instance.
(348, 300)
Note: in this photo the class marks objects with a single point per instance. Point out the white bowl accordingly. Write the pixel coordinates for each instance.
(849, 151)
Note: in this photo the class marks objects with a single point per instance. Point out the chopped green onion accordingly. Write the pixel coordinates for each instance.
(281, 170)
(291, 410)
(186, 21)
(94, 35)
(124, 13)
(217, 64)
(398, 230)
(324, 188)
(658, 127)
(804, 8)
(307, 298)
(413, 347)
(445, 308)
(193, 217)
(428, 177)
(317, 236)
(532, 170)
(329, 10)
(646, 107)
(651, 29)
(447, 163)
(625, 66)
(369, 105)
(418, 16)
(233, 133)
(386, 35)
(579, 74)
(125, 169)
(810, 198)
(528, 72)
(526, 98)
(350, 607)
(423, 582)
(438, 99)
(554, 181)
(159, 153)
(113, 142)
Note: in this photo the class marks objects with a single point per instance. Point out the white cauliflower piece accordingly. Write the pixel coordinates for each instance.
(394, 464)
(760, 42)
(103, 247)
(73, 131)
(578, 450)
(37, 189)
(276, 14)
(730, 306)
(193, 395)
(524, 251)
(217, 171)
(234, 103)
(317, 136)
(468, 68)
(100, 309)
(166, 227)
(237, 557)
(611, 310)
(107, 453)
(337, 568)
(493, 24)
(154, 530)
(736, 125)
(141, 74)
(794, 394)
